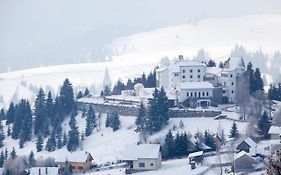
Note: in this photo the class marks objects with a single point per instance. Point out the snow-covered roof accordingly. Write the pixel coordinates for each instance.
(196, 85)
(162, 68)
(80, 156)
(274, 130)
(175, 66)
(242, 153)
(233, 63)
(250, 142)
(44, 170)
(195, 154)
(213, 70)
(142, 151)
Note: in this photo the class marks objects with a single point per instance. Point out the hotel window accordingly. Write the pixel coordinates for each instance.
(198, 70)
(191, 94)
(231, 75)
(191, 76)
(183, 71)
(187, 94)
(198, 76)
(203, 94)
(207, 94)
(190, 70)
(232, 91)
(232, 83)
(183, 76)
(176, 74)
(199, 94)
(141, 165)
(195, 94)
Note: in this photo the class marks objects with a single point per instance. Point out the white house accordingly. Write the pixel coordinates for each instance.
(43, 171)
(232, 69)
(143, 157)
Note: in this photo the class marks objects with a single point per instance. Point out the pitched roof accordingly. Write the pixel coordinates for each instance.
(234, 63)
(250, 142)
(145, 151)
(195, 154)
(50, 170)
(80, 156)
(274, 130)
(196, 85)
(241, 154)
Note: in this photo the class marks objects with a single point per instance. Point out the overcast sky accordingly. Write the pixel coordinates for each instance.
(34, 32)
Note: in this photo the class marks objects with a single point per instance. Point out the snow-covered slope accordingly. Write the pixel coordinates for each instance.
(80, 75)
(216, 36)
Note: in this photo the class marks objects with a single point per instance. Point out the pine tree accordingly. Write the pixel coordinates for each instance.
(2, 135)
(66, 97)
(73, 136)
(39, 143)
(51, 143)
(118, 88)
(250, 73)
(258, 80)
(107, 91)
(26, 124)
(11, 114)
(211, 63)
(59, 140)
(90, 121)
(129, 85)
(64, 139)
(6, 154)
(209, 140)
(141, 120)
(2, 158)
(234, 131)
(158, 111)
(49, 108)
(108, 120)
(79, 95)
(264, 124)
(13, 153)
(40, 112)
(9, 131)
(31, 159)
(2, 114)
(86, 92)
(169, 145)
(115, 122)
(19, 117)
(151, 80)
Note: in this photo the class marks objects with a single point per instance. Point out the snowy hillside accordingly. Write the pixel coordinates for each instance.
(80, 75)
(216, 36)
(107, 145)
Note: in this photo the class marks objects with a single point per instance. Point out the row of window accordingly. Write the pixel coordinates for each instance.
(226, 75)
(191, 70)
(199, 94)
(198, 76)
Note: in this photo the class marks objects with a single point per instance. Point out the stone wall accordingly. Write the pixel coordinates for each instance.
(133, 110)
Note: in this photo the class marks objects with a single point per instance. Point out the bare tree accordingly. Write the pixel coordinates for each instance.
(243, 94)
(15, 166)
(259, 103)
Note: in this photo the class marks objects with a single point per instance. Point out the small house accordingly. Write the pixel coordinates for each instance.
(275, 132)
(143, 157)
(248, 145)
(43, 171)
(243, 161)
(79, 161)
(196, 157)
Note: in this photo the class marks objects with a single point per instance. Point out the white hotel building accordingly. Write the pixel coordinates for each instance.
(196, 84)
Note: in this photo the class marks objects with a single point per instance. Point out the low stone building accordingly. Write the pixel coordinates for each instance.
(79, 161)
(143, 157)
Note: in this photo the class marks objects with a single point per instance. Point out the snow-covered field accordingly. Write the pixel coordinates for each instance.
(216, 36)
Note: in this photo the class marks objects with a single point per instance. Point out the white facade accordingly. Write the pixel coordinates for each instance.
(232, 69)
